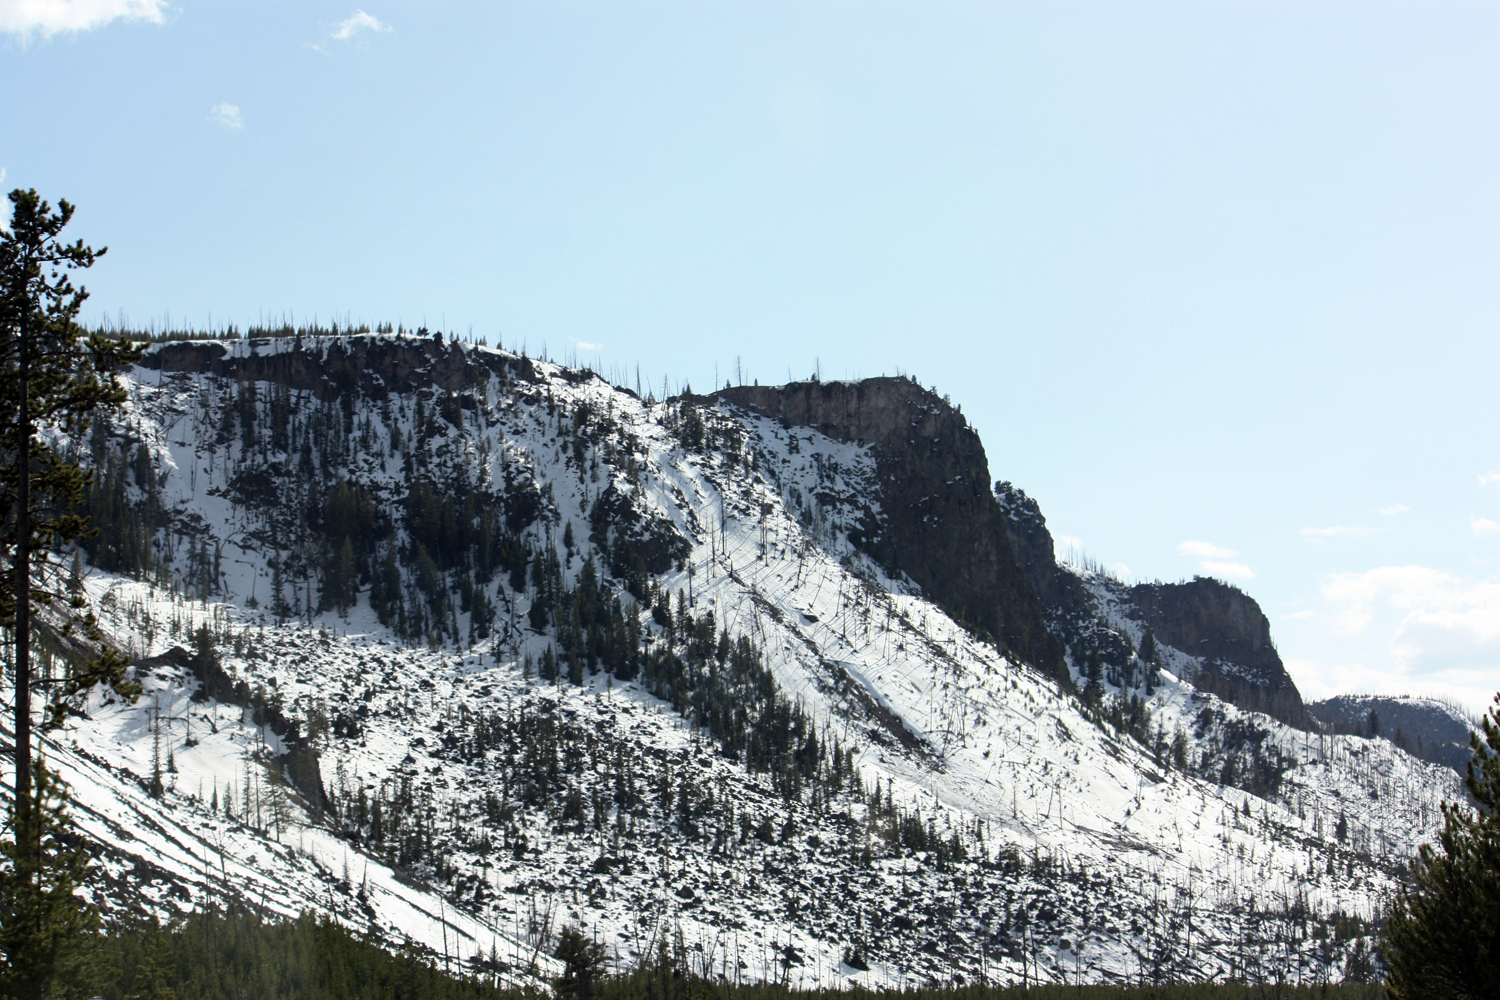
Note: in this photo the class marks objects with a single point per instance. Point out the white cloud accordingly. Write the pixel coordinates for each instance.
(227, 115)
(587, 345)
(1445, 619)
(51, 17)
(1406, 630)
(357, 22)
(1493, 476)
(1298, 616)
(1339, 531)
(1206, 550)
(1213, 560)
(1394, 509)
(1318, 680)
(1483, 526)
(1227, 570)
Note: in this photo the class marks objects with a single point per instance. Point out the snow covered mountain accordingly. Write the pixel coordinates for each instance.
(462, 646)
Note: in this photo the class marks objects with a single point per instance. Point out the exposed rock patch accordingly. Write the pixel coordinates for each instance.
(1223, 625)
(938, 523)
(330, 368)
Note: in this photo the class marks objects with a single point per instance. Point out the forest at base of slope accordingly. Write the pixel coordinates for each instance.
(219, 956)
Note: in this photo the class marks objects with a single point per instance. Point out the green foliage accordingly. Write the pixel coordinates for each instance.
(42, 866)
(728, 692)
(352, 526)
(56, 376)
(121, 526)
(62, 375)
(237, 956)
(1443, 936)
(583, 964)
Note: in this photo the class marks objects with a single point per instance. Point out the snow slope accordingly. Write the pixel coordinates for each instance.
(994, 827)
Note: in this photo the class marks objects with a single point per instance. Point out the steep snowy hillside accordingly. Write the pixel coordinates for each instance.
(1428, 728)
(463, 646)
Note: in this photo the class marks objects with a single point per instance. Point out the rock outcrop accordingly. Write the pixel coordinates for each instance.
(938, 523)
(330, 368)
(1223, 626)
(1205, 618)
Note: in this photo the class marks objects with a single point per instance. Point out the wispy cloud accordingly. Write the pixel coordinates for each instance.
(50, 17)
(1206, 550)
(1214, 560)
(357, 22)
(1430, 597)
(227, 115)
(1406, 629)
(1394, 509)
(1493, 476)
(1443, 630)
(587, 345)
(1227, 570)
(1483, 526)
(1338, 531)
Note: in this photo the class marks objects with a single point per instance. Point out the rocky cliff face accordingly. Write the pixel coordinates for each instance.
(1224, 627)
(1056, 588)
(937, 521)
(1218, 624)
(345, 368)
(990, 558)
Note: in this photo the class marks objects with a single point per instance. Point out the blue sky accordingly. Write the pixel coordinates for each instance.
(1216, 282)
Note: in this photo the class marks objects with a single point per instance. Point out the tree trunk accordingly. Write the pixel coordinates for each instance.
(23, 579)
(31, 848)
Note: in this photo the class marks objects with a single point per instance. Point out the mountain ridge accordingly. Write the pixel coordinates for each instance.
(766, 736)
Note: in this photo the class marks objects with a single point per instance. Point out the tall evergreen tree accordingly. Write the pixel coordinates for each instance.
(52, 375)
(583, 964)
(42, 920)
(1442, 941)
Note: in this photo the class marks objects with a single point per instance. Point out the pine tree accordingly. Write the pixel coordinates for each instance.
(583, 963)
(157, 789)
(1442, 939)
(1150, 654)
(53, 377)
(346, 575)
(42, 920)
(279, 606)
